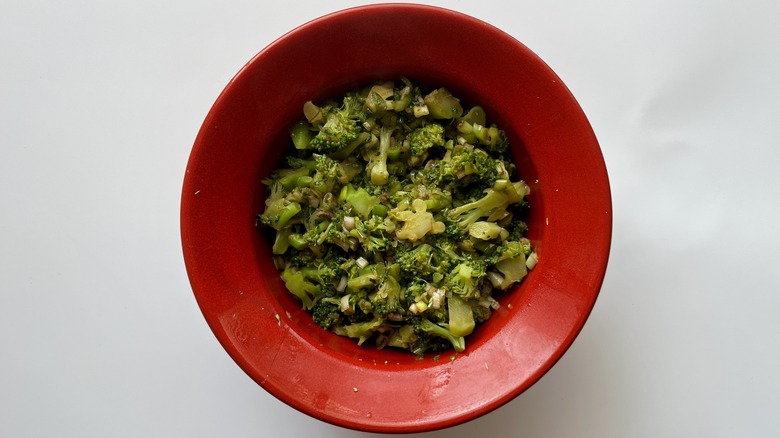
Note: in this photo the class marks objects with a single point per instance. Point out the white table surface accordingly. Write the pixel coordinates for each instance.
(101, 337)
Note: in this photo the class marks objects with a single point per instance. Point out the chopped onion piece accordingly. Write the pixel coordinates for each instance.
(349, 223)
(342, 284)
(531, 261)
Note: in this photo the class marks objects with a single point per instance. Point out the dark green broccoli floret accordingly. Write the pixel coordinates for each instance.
(337, 127)
(326, 313)
(387, 298)
(416, 261)
(426, 137)
(336, 134)
(465, 166)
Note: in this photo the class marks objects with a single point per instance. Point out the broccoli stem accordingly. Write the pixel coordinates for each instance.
(461, 319)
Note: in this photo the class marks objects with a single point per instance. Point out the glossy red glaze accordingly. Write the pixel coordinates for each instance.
(264, 329)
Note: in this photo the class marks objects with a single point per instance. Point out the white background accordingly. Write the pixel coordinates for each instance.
(100, 335)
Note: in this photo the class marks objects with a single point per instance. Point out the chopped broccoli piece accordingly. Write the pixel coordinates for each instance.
(461, 317)
(426, 137)
(326, 314)
(426, 327)
(418, 223)
(442, 104)
(466, 279)
(302, 286)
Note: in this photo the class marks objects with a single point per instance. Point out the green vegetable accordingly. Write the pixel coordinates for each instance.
(396, 217)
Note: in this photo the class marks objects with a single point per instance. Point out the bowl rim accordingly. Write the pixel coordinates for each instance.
(471, 363)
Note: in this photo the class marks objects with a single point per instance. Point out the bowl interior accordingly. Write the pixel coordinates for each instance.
(260, 324)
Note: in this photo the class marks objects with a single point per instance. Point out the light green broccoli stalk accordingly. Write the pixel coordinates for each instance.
(377, 161)
(442, 104)
(461, 319)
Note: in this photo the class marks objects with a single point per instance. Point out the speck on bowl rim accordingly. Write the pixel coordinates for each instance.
(264, 329)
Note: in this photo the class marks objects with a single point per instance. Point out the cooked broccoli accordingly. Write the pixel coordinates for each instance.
(494, 202)
(442, 104)
(511, 264)
(326, 313)
(461, 317)
(466, 279)
(337, 127)
(426, 137)
(427, 329)
(417, 261)
(362, 331)
(303, 283)
(418, 223)
(367, 277)
(359, 200)
(377, 160)
(396, 216)
(466, 165)
(387, 298)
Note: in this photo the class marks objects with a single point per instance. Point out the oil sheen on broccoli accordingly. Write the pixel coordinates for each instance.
(396, 216)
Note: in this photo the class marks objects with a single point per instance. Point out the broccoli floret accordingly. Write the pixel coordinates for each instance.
(466, 279)
(374, 234)
(336, 134)
(466, 166)
(493, 203)
(338, 127)
(387, 298)
(417, 261)
(367, 277)
(426, 137)
(326, 167)
(326, 313)
(436, 198)
(426, 328)
(377, 160)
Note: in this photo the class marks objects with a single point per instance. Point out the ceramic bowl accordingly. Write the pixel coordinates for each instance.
(264, 329)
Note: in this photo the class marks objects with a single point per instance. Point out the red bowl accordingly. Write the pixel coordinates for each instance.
(265, 330)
